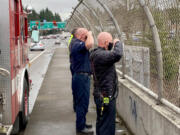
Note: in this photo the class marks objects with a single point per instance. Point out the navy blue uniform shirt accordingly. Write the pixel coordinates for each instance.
(80, 61)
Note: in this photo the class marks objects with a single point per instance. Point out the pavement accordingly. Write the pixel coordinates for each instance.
(38, 70)
(53, 112)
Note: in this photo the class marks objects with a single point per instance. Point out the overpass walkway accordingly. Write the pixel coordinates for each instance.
(53, 112)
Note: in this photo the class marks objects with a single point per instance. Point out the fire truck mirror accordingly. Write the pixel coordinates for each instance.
(29, 9)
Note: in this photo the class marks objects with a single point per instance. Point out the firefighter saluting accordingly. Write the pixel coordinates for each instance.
(103, 61)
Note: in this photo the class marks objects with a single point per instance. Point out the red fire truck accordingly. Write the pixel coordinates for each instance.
(14, 76)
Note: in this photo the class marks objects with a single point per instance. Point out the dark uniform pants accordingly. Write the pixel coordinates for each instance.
(105, 123)
(81, 93)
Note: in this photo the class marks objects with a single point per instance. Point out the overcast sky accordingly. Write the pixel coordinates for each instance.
(63, 7)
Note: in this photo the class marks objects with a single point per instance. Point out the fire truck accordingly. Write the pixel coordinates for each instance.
(14, 74)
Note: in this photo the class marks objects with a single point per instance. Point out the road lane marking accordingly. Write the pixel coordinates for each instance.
(34, 59)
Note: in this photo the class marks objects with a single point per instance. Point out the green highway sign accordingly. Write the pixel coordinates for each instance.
(47, 25)
(34, 23)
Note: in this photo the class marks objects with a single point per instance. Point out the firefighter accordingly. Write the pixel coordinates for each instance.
(81, 77)
(103, 61)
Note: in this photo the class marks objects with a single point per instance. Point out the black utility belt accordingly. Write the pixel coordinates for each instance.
(105, 100)
(101, 95)
(84, 73)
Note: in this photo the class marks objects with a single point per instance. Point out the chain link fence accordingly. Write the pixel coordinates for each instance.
(152, 50)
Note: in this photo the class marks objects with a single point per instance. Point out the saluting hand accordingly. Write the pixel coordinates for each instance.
(90, 40)
(89, 33)
(116, 40)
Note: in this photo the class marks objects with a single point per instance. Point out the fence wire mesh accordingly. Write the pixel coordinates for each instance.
(140, 50)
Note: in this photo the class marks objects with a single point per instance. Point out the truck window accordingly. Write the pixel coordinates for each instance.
(26, 29)
(16, 20)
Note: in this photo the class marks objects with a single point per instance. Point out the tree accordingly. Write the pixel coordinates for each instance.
(34, 16)
(57, 17)
(174, 16)
(48, 15)
(170, 48)
(42, 15)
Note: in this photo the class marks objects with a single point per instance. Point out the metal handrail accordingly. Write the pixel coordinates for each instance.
(151, 93)
(4, 72)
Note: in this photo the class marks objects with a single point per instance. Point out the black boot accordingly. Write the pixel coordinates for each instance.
(85, 131)
(88, 126)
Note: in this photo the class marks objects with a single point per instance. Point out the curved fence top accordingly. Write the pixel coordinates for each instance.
(143, 59)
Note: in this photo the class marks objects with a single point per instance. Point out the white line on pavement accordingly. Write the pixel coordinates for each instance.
(37, 57)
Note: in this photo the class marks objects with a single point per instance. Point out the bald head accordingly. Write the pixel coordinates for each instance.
(81, 34)
(104, 38)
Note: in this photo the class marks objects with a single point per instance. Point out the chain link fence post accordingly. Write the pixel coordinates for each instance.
(158, 47)
(118, 31)
(179, 83)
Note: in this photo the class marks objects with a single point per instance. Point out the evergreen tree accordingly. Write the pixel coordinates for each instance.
(44, 14)
(57, 17)
(34, 16)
